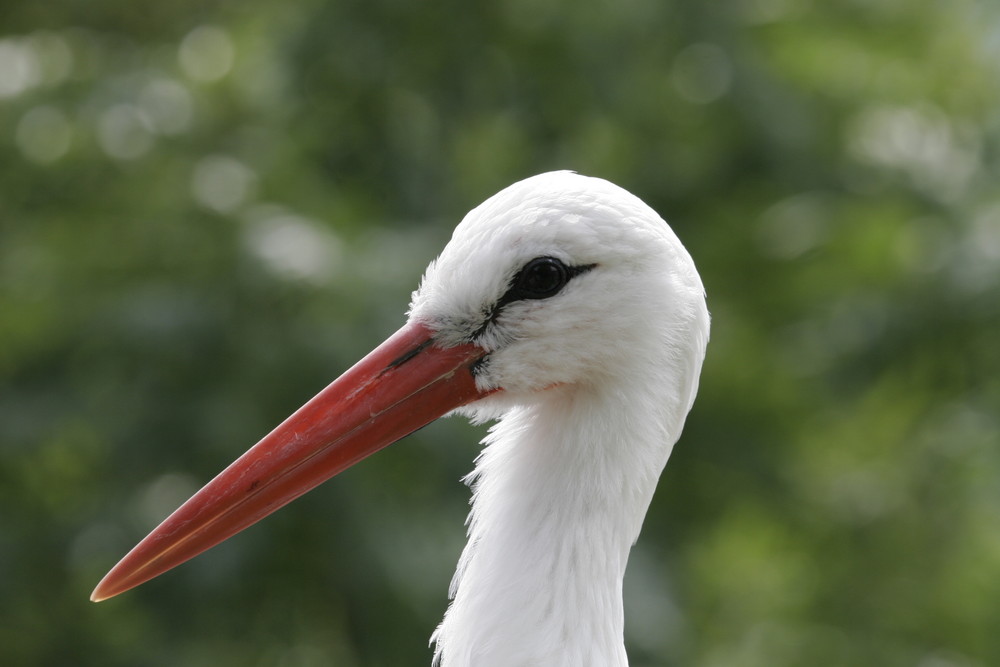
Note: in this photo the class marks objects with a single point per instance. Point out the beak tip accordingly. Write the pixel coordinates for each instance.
(103, 591)
(99, 595)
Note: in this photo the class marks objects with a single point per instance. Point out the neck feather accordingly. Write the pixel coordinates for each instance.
(559, 494)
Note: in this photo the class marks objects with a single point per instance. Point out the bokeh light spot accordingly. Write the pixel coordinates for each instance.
(292, 246)
(222, 183)
(44, 135)
(19, 68)
(124, 132)
(168, 105)
(206, 54)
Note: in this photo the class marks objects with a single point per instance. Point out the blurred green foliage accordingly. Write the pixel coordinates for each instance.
(208, 210)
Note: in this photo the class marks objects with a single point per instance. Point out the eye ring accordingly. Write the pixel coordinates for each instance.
(541, 278)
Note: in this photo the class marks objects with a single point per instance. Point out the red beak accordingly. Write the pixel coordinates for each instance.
(404, 384)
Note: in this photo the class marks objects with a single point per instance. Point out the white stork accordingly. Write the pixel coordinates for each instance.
(563, 307)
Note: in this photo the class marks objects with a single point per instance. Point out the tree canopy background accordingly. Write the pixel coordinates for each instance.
(208, 210)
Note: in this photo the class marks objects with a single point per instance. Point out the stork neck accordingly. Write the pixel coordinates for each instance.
(560, 492)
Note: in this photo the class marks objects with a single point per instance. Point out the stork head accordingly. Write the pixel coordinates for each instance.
(563, 280)
(557, 281)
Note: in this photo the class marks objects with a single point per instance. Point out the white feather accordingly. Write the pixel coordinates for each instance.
(596, 384)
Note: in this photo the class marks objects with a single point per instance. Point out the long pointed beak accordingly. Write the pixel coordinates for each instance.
(404, 384)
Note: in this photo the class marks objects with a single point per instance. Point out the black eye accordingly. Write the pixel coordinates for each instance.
(541, 278)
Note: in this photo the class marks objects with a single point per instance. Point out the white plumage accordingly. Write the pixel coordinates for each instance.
(596, 383)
